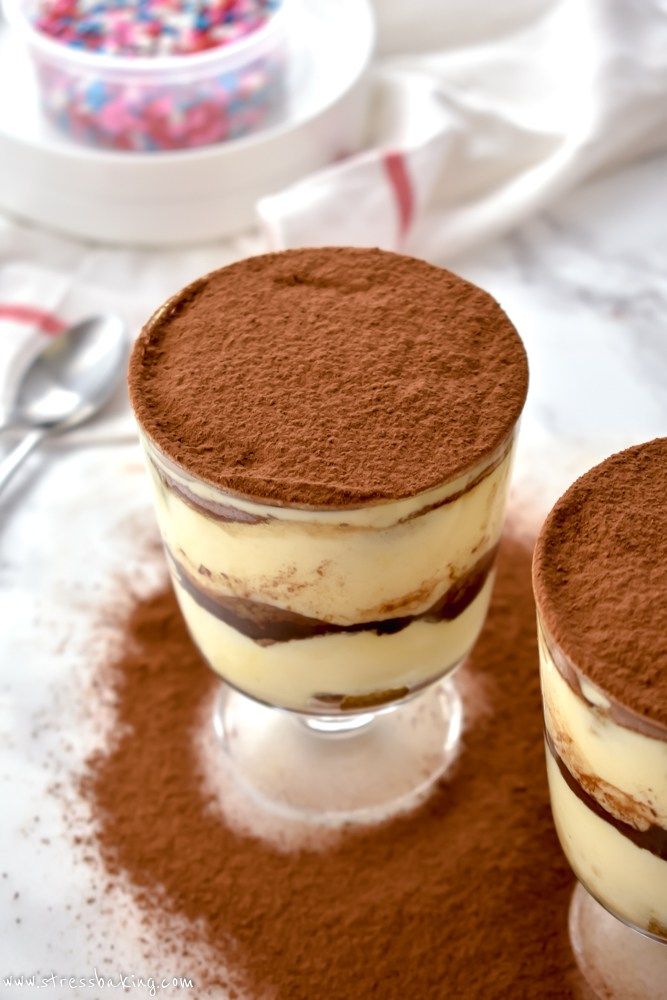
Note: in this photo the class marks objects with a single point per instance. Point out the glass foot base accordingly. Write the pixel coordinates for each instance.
(335, 768)
(617, 962)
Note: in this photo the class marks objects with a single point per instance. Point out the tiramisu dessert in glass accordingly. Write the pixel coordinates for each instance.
(329, 434)
(600, 579)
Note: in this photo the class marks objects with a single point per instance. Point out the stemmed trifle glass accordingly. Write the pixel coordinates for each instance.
(329, 434)
(600, 580)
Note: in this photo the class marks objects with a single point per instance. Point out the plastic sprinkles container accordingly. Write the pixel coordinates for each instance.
(159, 102)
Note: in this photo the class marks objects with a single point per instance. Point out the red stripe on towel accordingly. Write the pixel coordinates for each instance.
(44, 321)
(397, 173)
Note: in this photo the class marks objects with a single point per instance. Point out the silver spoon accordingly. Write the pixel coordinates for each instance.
(65, 384)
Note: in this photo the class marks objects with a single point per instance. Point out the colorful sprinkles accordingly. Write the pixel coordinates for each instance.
(151, 27)
(158, 109)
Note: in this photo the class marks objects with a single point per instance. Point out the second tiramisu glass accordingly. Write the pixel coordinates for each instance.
(600, 578)
(329, 434)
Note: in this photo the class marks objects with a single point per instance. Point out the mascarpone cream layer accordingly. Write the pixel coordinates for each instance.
(291, 674)
(341, 566)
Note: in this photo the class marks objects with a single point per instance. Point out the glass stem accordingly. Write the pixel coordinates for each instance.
(336, 725)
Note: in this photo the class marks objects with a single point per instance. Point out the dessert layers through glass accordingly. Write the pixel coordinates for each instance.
(328, 611)
(607, 771)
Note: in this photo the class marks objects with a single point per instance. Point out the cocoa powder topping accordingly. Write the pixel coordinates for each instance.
(328, 377)
(600, 577)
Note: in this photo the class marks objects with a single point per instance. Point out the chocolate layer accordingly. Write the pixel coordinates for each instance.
(228, 513)
(653, 839)
(369, 700)
(658, 929)
(265, 623)
(209, 508)
(491, 467)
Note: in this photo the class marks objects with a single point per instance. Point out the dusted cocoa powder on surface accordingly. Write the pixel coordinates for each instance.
(329, 377)
(600, 575)
(466, 897)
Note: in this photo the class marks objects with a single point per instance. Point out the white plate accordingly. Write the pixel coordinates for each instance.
(191, 195)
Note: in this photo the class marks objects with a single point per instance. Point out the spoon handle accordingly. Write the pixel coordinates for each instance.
(11, 462)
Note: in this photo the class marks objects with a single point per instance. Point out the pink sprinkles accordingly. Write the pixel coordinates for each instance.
(151, 27)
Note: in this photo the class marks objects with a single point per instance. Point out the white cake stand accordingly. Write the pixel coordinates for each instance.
(191, 195)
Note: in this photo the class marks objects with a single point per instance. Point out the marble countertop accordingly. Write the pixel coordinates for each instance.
(586, 285)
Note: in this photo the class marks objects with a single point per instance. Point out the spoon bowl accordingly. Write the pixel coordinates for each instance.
(72, 377)
(67, 383)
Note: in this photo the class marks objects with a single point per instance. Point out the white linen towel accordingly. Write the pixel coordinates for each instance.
(492, 111)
